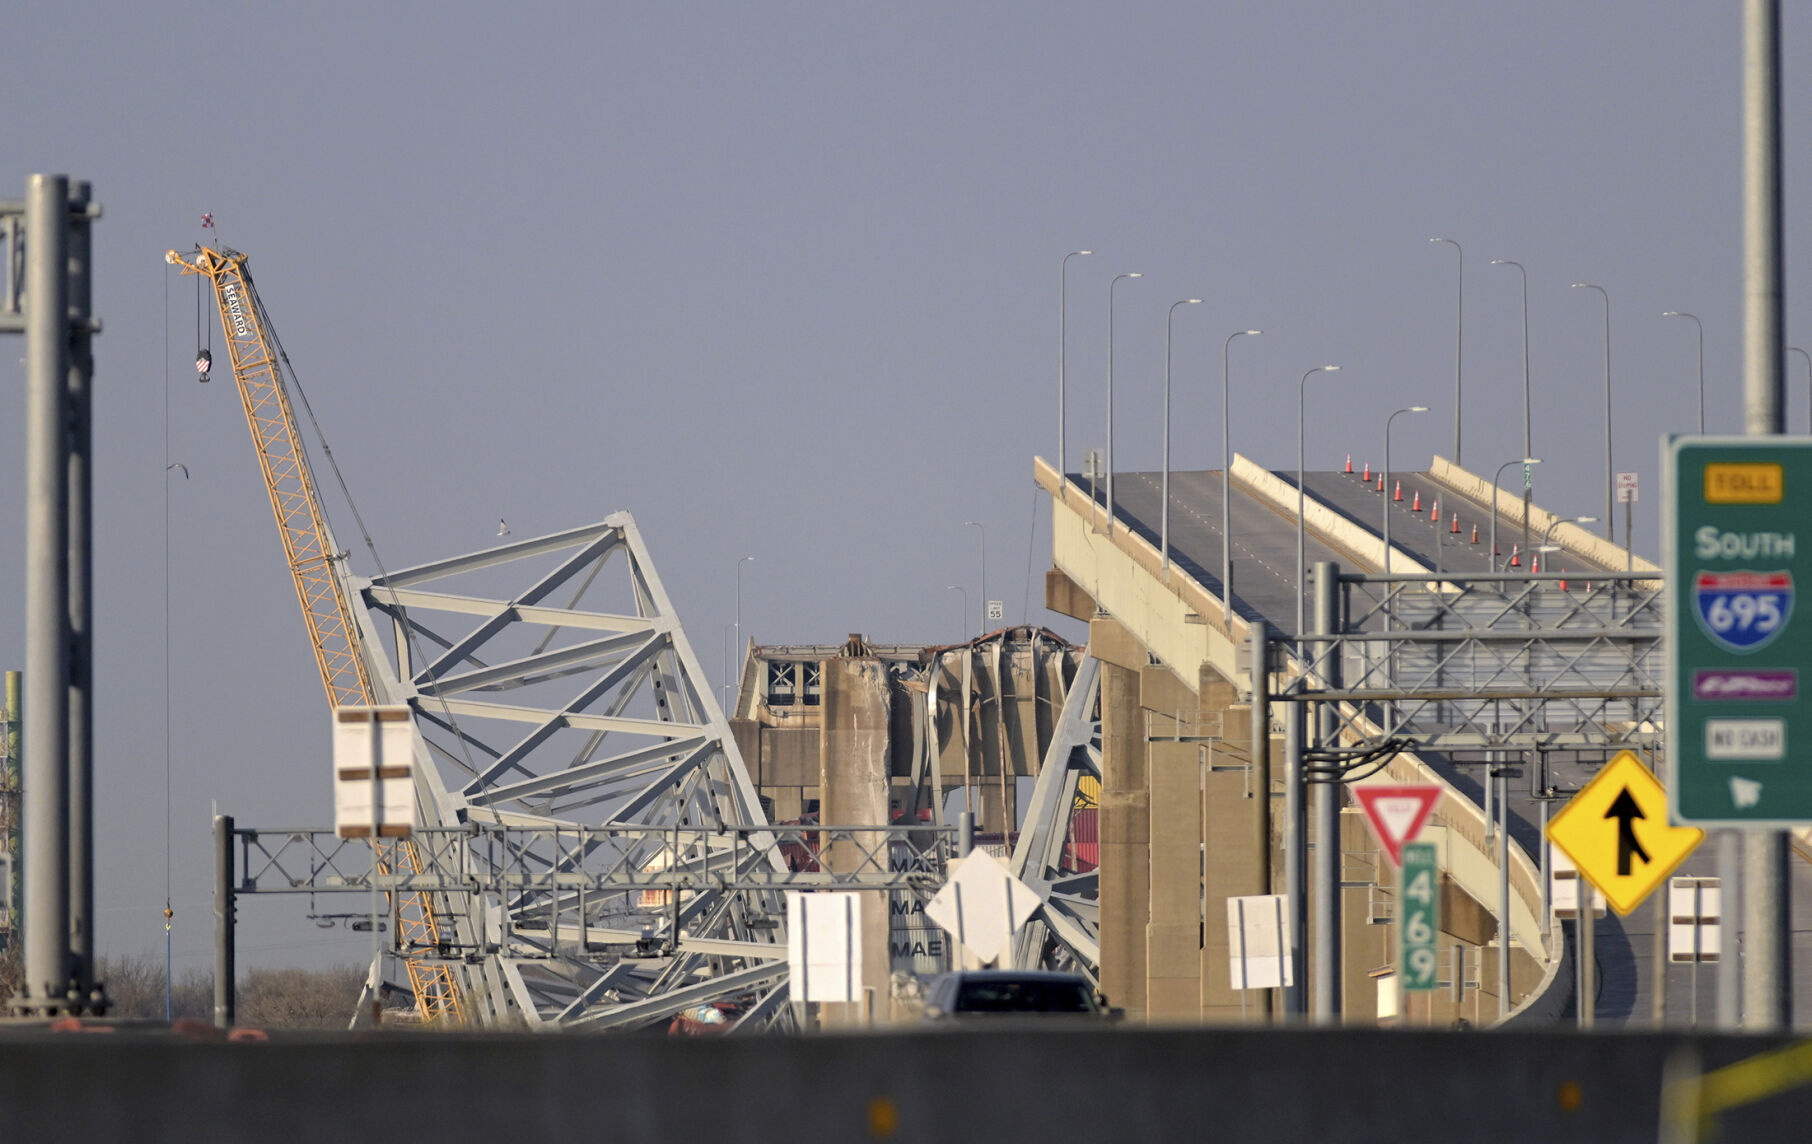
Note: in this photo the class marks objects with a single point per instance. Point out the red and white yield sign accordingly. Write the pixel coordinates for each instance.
(1396, 813)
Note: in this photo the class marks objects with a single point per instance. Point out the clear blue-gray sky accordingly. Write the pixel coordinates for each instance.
(782, 280)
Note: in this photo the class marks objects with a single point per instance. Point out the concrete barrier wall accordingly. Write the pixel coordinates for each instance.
(1000, 1084)
(1510, 511)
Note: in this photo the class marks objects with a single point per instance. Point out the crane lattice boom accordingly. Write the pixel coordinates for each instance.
(309, 549)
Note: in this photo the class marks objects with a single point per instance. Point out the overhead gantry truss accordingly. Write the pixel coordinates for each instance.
(1490, 662)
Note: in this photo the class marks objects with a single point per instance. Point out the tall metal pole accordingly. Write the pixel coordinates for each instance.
(1302, 390)
(1767, 984)
(1610, 471)
(1503, 890)
(1110, 397)
(965, 592)
(225, 919)
(1701, 328)
(1258, 647)
(1326, 961)
(9, 891)
(1459, 325)
(45, 773)
(1387, 488)
(1063, 297)
(1227, 482)
(1808, 360)
(1528, 450)
(1295, 833)
(1164, 513)
(1730, 895)
(984, 576)
(80, 396)
(1258, 635)
(740, 646)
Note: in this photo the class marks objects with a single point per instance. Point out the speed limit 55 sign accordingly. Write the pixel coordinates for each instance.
(1739, 726)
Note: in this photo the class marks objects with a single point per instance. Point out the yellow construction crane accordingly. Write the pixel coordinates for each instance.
(308, 547)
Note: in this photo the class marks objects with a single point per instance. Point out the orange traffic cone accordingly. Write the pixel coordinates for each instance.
(1416, 504)
(1475, 532)
(1456, 523)
(1367, 475)
(1535, 563)
(1349, 463)
(1381, 480)
(1399, 495)
(1563, 579)
(1516, 556)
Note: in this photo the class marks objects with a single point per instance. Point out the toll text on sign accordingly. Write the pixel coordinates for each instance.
(1745, 482)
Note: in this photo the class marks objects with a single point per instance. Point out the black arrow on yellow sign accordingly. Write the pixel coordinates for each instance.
(1624, 809)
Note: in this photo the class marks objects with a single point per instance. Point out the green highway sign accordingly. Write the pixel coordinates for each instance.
(1418, 917)
(1739, 719)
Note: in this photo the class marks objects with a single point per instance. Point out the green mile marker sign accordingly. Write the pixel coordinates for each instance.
(1418, 917)
(1738, 512)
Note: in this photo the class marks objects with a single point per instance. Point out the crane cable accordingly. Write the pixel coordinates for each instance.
(169, 913)
(415, 649)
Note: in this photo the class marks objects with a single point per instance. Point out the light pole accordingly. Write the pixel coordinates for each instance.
(1302, 390)
(739, 564)
(1227, 483)
(1164, 512)
(1063, 296)
(1528, 490)
(984, 576)
(1610, 474)
(1808, 359)
(1547, 538)
(1110, 397)
(1701, 326)
(965, 592)
(723, 686)
(1459, 319)
(1387, 421)
(1492, 563)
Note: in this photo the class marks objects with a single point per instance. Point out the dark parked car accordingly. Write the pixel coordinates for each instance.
(1012, 992)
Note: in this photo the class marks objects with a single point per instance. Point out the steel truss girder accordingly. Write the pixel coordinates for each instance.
(1068, 907)
(542, 715)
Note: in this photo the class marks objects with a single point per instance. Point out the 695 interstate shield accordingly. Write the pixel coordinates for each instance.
(1743, 611)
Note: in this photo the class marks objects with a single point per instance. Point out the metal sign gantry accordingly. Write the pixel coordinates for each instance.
(1491, 661)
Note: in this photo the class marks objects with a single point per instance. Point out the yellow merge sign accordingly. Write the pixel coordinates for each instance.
(1616, 831)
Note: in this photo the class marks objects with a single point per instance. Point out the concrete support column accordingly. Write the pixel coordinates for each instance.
(1125, 823)
(854, 785)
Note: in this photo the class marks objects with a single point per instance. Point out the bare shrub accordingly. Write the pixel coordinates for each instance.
(135, 989)
(300, 998)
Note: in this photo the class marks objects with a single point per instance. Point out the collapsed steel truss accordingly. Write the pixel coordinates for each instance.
(642, 908)
(554, 692)
(1070, 911)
